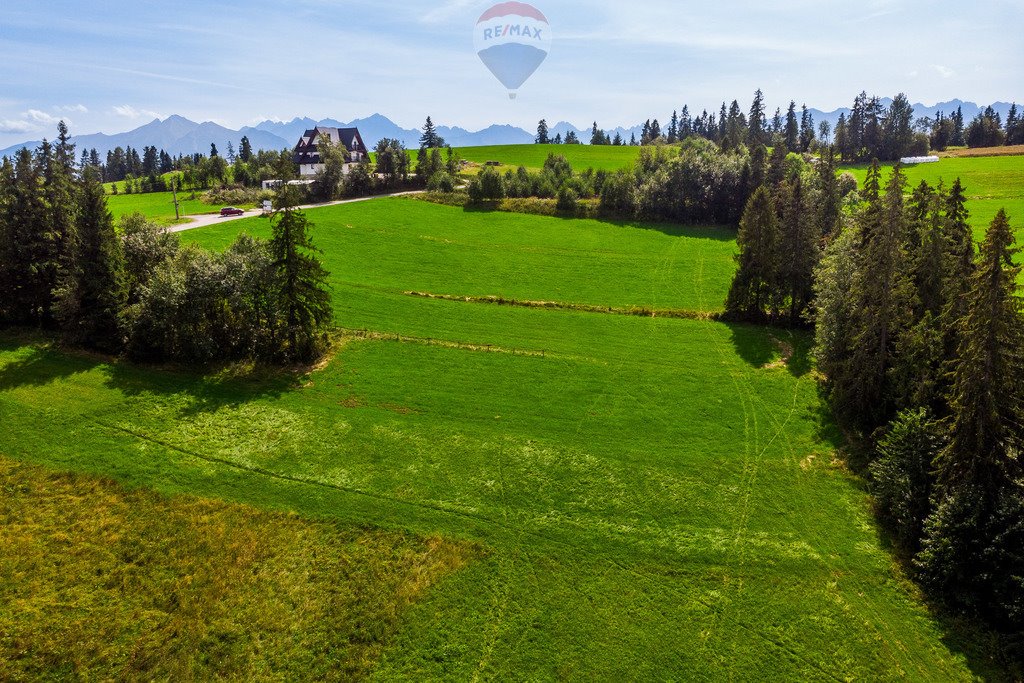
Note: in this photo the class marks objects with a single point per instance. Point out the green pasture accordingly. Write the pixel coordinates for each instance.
(158, 206)
(991, 183)
(581, 157)
(652, 498)
(385, 247)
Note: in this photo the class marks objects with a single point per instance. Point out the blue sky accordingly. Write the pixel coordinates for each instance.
(111, 66)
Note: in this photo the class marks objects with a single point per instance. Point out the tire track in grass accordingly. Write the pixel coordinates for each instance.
(521, 533)
(651, 578)
(886, 633)
(750, 445)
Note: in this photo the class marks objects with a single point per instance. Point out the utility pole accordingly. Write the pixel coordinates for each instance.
(174, 190)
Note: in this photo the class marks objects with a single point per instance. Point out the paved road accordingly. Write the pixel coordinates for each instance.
(214, 219)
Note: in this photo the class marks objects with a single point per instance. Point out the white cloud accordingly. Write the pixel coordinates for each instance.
(944, 71)
(13, 126)
(130, 112)
(41, 117)
(77, 108)
(30, 121)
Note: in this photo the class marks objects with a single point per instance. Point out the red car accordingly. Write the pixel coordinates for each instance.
(231, 211)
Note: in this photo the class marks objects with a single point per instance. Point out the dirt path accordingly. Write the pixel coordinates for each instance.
(215, 219)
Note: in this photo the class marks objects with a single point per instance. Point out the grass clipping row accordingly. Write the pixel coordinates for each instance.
(99, 582)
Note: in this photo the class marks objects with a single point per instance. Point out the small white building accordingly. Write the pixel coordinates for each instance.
(919, 160)
(307, 156)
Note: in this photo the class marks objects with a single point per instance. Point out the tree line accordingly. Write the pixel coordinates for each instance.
(919, 339)
(870, 131)
(132, 288)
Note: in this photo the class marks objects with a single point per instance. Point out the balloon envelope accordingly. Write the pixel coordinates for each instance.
(512, 39)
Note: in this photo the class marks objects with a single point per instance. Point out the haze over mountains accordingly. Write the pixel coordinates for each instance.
(178, 135)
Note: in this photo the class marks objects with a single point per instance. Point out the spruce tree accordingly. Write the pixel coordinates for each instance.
(973, 551)
(834, 305)
(799, 243)
(542, 133)
(843, 139)
(959, 258)
(806, 129)
(751, 294)
(673, 128)
(829, 203)
(685, 123)
(429, 139)
(29, 250)
(958, 128)
(302, 291)
(58, 176)
(884, 296)
(756, 121)
(918, 372)
(987, 398)
(93, 290)
(245, 150)
(6, 266)
(792, 132)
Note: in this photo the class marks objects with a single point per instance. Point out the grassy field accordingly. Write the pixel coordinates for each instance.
(99, 582)
(654, 498)
(1005, 150)
(380, 249)
(581, 157)
(157, 206)
(991, 183)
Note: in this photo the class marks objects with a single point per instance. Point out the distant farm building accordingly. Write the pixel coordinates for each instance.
(307, 156)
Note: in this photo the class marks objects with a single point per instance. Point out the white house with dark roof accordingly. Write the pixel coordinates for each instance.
(307, 156)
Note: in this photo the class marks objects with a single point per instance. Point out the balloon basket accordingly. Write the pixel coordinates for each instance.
(511, 95)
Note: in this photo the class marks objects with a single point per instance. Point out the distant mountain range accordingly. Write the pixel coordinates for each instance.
(178, 135)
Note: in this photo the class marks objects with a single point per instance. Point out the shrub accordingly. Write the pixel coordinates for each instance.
(920, 146)
(617, 194)
(901, 476)
(491, 186)
(973, 554)
(847, 183)
(486, 186)
(566, 200)
(236, 195)
(441, 182)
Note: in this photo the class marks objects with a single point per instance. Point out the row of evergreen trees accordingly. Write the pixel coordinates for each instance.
(64, 267)
(789, 216)
(985, 130)
(921, 346)
(920, 342)
(871, 131)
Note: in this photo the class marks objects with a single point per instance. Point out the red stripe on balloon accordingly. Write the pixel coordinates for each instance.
(519, 8)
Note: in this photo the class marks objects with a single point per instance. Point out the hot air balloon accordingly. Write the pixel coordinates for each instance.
(512, 39)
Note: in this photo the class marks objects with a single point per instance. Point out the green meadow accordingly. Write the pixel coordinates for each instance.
(643, 497)
(157, 206)
(991, 183)
(606, 157)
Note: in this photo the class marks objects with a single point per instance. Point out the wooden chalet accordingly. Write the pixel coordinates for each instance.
(307, 157)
